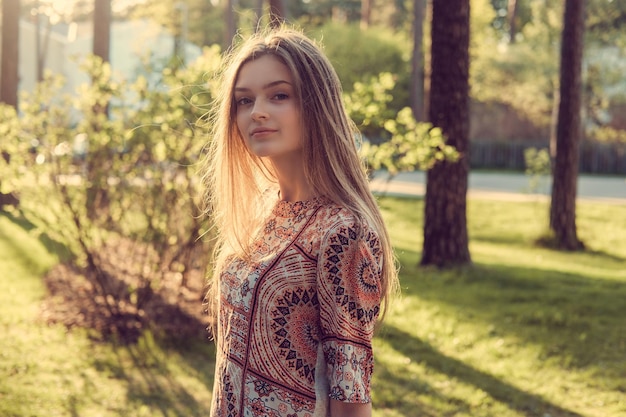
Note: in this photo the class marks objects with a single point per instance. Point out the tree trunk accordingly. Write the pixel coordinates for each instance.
(38, 55)
(102, 29)
(10, 52)
(512, 18)
(102, 38)
(9, 71)
(445, 222)
(417, 62)
(366, 13)
(554, 119)
(230, 23)
(278, 13)
(41, 50)
(565, 173)
(428, 17)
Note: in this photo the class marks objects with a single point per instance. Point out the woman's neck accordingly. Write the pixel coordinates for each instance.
(292, 182)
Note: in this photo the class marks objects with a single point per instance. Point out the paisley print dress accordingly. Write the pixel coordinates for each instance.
(296, 320)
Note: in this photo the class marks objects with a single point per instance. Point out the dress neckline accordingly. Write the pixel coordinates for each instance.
(296, 208)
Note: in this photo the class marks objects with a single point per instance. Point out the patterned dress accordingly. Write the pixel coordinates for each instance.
(296, 321)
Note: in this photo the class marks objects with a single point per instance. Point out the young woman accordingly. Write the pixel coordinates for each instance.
(304, 265)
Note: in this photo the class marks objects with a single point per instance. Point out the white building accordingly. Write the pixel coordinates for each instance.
(132, 44)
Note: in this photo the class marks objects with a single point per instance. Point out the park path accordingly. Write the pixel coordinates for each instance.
(507, 186)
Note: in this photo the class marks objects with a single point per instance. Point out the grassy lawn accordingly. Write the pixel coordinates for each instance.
(48, 371)
(524, 332)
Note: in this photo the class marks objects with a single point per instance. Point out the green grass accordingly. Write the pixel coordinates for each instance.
(525, 331)
(48, 371)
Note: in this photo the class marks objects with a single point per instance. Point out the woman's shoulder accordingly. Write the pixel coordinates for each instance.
(333, 217)
(331, 212)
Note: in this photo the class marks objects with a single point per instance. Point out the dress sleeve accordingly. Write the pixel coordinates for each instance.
(349, 293)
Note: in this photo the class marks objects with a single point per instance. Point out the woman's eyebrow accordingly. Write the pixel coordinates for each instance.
(266, 86)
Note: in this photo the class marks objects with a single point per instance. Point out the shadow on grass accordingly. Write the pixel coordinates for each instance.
(51, 245)
(606, 256)
(577, 321)
(154, 383)
(516, 241)
(508, 240)
(411, 346)
(151, 382)
(399, 391)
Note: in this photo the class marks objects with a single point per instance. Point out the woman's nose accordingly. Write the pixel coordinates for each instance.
(258, 111)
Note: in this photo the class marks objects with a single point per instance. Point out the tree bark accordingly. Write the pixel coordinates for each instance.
(565, 173)
(102, 29)
(445, 222)
(230, 23)
(417, 62)
(428, 17)
(512, 18)
(366, 13)
(554, 120)
(278, 13)
(9, 73)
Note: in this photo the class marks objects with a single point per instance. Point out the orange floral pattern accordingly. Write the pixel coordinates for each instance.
(296, 321)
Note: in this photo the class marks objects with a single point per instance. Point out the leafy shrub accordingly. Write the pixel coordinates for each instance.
(394, 140)
(110, 174)
(368, 104)
(608, 134)
(538, 167)
(359, 55)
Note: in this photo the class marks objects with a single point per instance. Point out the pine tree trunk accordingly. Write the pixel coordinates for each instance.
(512, 18)
(428, 17)
(230, 28)
(366, 13)
(445, 222)
(10, 52)
(278, 12)
(9, 72)
(417, 62)
(565, 173)
(102, 29)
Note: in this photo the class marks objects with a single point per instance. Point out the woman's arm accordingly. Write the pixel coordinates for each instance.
(341, 409)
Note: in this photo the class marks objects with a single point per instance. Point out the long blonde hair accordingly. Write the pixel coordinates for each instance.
(236, 179)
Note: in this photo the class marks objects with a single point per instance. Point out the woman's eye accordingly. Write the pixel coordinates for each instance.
(243, 101)
(281, 96)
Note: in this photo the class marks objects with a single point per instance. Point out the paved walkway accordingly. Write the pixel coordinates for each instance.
(510, 186)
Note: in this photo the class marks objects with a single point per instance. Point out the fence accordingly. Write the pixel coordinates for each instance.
(595, 158)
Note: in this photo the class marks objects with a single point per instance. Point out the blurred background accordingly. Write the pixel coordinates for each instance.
(105, 244)
(514, 51)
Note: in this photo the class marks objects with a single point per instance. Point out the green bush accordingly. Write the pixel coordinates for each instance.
(394, 140)
(111, 174)
(358, 55)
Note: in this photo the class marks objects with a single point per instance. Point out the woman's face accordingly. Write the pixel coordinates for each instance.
(268, 115)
